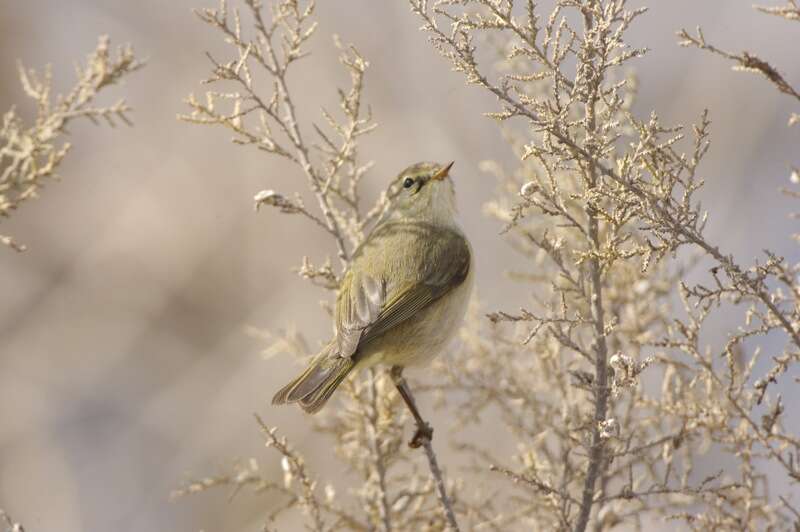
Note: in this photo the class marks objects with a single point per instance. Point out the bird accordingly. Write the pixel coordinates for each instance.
(403, 296)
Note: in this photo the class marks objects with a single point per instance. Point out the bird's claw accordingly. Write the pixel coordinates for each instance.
(423, 435)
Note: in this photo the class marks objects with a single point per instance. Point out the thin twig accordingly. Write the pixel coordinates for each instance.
(423, 438)
(10, 525)
(384, 507)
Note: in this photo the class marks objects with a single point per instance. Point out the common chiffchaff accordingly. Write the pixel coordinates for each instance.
(405, 293)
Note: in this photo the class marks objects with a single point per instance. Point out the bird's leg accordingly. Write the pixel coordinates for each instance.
(424, 430)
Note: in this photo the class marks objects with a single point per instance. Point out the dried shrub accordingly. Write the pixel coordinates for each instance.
(368, 425)
(604, 384)
(9, 524)
(30, 155)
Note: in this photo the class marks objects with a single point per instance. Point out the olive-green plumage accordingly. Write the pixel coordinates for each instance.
(405, 292)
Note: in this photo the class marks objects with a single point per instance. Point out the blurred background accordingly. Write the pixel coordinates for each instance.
(125, 365)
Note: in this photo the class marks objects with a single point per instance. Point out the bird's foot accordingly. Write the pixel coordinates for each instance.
(423, 435)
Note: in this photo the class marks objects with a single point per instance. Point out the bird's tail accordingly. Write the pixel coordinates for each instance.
(314, 386)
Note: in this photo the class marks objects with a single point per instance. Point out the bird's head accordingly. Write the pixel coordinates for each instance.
(426, 193)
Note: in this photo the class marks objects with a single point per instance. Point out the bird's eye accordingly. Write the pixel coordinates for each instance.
(408, 182)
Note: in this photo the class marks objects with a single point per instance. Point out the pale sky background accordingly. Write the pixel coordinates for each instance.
(124, 363)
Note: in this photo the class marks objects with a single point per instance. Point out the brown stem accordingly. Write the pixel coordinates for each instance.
(596, 460)
(10, 525)
(384, 508)
(422, 438)
(295, 136)
(601, 382)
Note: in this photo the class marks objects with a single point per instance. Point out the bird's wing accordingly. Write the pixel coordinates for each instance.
(380, 291)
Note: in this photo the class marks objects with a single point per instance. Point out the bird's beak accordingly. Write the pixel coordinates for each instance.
(444, 172)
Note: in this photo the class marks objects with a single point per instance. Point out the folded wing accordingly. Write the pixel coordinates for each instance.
(399, 285)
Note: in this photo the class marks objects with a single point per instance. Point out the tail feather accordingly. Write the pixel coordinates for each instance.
(316, 384)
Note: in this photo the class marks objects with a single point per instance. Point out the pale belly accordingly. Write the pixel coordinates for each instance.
(420, 338)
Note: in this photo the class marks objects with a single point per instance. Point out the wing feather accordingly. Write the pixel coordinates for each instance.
(400, 286)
